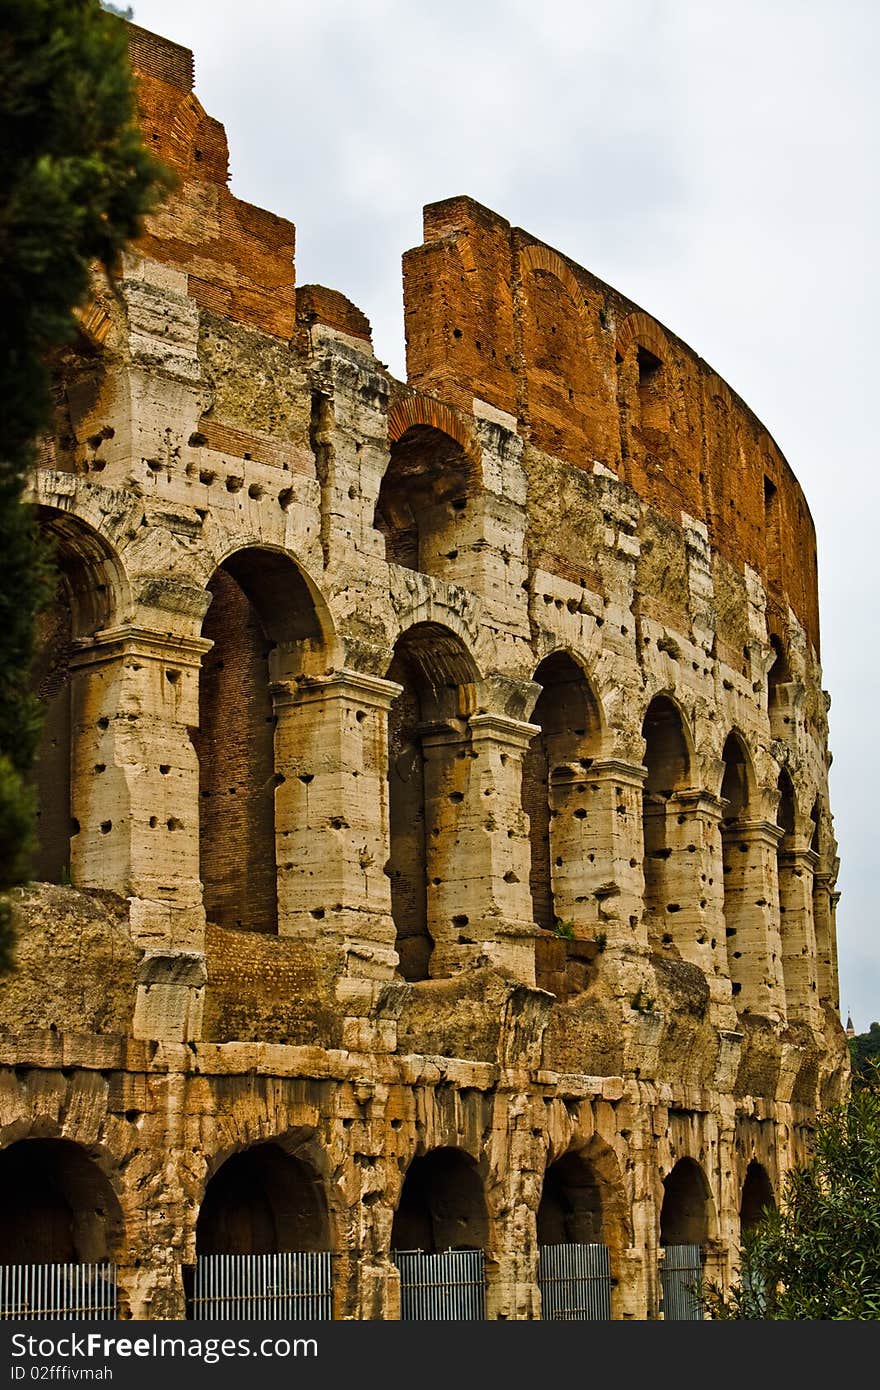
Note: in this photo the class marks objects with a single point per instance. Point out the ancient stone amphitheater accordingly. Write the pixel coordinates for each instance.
(435, 850)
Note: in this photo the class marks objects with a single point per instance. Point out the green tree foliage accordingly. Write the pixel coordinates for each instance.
(818, 1257)
(864, 1050)
(75, 181)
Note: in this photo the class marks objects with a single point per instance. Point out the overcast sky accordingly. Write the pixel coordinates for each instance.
(717, 162)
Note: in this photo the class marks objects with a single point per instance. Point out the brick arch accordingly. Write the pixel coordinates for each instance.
(411, 411)
(543, 258)
(736, 734)
(641, 330)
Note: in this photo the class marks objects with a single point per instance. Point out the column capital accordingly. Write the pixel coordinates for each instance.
(799, 856)
(112, 643)
(698, 801)
(616, 770)
(366, 689)
(755, 832)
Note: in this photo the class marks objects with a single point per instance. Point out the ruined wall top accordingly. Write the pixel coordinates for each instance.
(493, 314)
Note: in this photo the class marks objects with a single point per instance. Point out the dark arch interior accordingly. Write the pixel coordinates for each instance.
(571, 1208)
(82, 602)
(757, 1196)
(57, 1206)
(785, 809)
(684, 1216)
(666, 750)
(428, 476)
(263, 1201)
(735, 783)
(816, 820)
(442, 1206)
(568, 715)
(780, 671)
(261, 613)
(437, 676)
(668, 771)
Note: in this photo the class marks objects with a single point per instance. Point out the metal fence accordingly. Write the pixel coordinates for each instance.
(62, 1291)
(296, 1286)
(681, 1270)
(449, 1286)
(575, 1283)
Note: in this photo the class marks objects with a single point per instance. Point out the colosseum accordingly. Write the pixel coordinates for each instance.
(433, 914)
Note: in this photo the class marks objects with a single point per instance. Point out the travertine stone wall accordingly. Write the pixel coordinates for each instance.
(369, 685)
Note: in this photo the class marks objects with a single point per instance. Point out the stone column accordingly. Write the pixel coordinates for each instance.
(825, 901)
(697, 925)
(135, 779)
(751, 914)
(796, 868)
(331, 816)
(477, 845)
(596, 850)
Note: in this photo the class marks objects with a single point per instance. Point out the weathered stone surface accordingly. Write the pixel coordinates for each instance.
(440, 768)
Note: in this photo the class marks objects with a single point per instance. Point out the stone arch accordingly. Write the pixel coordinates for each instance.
(442, 1204)
(434, 469)
(265, 624)
(537, 257)
(571, 727)
(264, 1199)
(743, 873)
(668, 759)
(91, 593)
(687, 1210)
(427, 728)
(738, 781)
(583, 1199)
(757, 1196)
(59, 1206)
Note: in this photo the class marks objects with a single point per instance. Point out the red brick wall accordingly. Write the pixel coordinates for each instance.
(235, 747)
(491, 312)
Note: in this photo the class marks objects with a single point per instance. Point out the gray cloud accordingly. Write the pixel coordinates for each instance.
(716, 162)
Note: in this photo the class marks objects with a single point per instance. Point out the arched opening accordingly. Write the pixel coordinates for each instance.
(439, 1237)
(739, 869)
(423, 497)
(261, 620)
(778, 683)
(61, 1233)
(653, 409)
(85, 599)
(667, 761)
(684, 1215)
(263, 1201)
(427, 753)
(757, 1196)
(580, 1237)
(57, 1206)
(263, 1244)
(442, 1205)
(571, 1208)
(554, 792)
(684, 1231)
